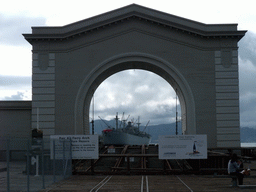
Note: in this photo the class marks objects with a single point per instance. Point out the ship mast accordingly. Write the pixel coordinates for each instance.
(138, 122)
(121, 122)
(124, 120)
(116, 120)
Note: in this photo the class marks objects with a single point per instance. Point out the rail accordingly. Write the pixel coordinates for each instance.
(143, 183)
(143, 158)
(120, 159)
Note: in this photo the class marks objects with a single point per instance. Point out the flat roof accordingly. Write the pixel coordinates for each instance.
(15, 105)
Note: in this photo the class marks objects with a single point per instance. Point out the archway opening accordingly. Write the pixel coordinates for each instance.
(134, 61)
(143, 96)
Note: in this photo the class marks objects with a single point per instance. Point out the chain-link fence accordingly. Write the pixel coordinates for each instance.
(32, 165)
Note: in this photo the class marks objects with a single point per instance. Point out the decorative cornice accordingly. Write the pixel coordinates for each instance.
(134, 12)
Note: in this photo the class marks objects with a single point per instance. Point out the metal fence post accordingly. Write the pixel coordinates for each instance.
(8, 163)
(70, 152)
(63, 159)
(43, 163)
(28, 165)
(54, 177)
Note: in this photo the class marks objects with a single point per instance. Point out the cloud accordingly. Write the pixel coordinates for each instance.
(18, 96)
(247, 79)
(15, 87)
(247, 47)
(137, 93)
(12, 27)
(15, 60)
(247, 66)
(7, 81)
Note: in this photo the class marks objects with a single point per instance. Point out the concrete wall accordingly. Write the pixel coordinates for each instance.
(15, 123)
(15, 119)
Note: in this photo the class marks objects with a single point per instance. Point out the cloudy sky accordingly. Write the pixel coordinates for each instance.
(137, 97)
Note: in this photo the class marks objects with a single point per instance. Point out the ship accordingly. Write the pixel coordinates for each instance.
(125, 135)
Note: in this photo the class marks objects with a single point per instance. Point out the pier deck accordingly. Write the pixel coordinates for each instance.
(153, 183)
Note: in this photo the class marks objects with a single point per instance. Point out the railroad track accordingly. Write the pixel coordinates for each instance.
(120, 159)
(141, 184)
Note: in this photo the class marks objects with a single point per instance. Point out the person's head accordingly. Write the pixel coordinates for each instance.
(234, 157)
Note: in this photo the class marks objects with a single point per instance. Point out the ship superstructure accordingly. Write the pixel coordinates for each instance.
(126, 135)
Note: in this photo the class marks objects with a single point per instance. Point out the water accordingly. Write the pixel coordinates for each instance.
(248, 144)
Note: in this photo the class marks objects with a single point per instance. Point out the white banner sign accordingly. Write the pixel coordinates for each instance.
(83, 146)
(183, 147)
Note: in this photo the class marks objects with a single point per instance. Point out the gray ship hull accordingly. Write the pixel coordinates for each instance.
(117, 137)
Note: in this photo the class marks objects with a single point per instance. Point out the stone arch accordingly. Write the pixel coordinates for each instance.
(134, 60)
(205, 55)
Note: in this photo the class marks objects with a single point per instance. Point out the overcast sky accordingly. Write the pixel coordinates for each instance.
(137, 97)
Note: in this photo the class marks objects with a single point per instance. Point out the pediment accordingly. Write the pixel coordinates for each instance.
(130, 12)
